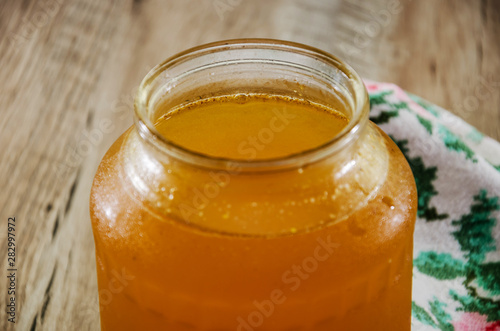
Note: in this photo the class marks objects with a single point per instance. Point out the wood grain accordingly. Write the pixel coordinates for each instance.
(69, 65)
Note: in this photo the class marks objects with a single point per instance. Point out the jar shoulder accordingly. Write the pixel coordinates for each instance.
(303, 199)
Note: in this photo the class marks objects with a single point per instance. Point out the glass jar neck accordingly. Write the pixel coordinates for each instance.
(299, 192)
(251, 66)
(257, 204)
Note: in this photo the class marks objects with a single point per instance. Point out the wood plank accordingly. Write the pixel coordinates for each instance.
(53, 75)
(69, 65)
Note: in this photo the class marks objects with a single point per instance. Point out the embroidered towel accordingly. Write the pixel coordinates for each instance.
(456, 266)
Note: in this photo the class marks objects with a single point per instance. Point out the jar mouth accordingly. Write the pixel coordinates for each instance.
(330, 69)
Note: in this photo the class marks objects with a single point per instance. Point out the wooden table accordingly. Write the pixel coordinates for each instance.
(68, 64)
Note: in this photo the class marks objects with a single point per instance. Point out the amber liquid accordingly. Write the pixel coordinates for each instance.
(158, 272)
(251, 126)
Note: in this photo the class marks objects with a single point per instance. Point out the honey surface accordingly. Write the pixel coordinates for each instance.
(251, 126)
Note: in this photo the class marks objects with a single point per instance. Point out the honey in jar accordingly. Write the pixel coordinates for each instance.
(253, 193)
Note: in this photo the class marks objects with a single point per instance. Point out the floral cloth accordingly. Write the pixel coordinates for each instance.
(456, 266)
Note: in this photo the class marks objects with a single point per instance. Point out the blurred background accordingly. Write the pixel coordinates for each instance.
(68, 66)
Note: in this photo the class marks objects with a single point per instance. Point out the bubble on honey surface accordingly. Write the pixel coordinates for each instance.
(254, 204)
(300, 171)
(170, 196)
(312, 200)
(240, 98)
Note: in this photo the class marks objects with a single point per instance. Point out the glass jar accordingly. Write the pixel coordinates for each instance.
(318, 240)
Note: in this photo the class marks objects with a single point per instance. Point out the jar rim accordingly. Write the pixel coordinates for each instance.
(150, 134)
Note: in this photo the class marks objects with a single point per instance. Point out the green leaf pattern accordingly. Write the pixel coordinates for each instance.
(469, 275)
